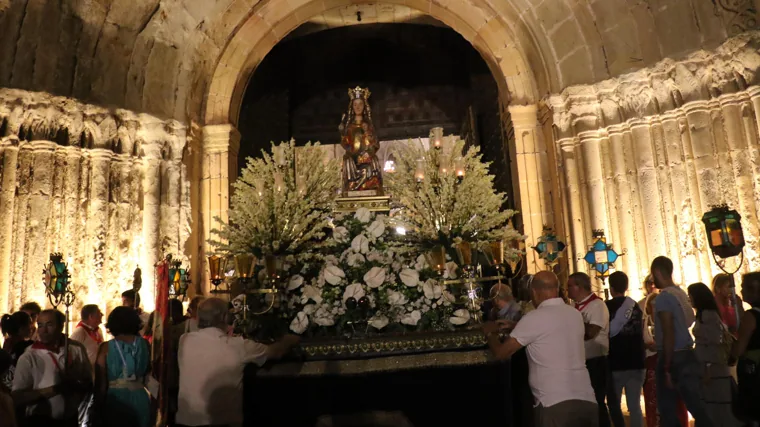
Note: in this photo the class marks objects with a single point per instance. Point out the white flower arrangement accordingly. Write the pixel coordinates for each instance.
(445, 207)
(399, 292)
(281, 202)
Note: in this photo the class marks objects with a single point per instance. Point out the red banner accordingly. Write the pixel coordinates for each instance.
(161, 340)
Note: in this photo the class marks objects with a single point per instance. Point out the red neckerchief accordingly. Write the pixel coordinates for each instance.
(93, 333)
(581, 305)
(52, 351)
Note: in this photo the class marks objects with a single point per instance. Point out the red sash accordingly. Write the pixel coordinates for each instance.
(581, 306)
(92, 333)
(52, 351)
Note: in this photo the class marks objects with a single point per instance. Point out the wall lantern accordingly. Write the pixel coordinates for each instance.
(600, 255)
(179, 279)
(724, 231)
(549, 248)
(726, 240)
(56, 277)
(217, 266)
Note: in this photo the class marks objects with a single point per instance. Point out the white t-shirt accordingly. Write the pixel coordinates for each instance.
(553, 334)
(595, 313)
(80, 335)
(39, 368)
(211, 365)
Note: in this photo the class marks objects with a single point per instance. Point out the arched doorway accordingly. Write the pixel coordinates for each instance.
(516, 86)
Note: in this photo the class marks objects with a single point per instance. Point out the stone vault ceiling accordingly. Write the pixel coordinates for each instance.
(371, 13)
(158, 56)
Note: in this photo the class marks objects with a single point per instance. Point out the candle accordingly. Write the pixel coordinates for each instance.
(279, 182)
(259, 185)
(443, 165)
(436, 135)
(279, 155)
(419, 173)
(301, 184)
(459, 167)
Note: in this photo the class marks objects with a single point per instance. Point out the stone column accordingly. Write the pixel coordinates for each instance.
(660, 158)
(151, 220)
(654, 229)
(9, 155)
(577, 245)
(38, 244)
(532, 171)
(590, 143)
(98, 214)
(731, 106)
(703, 154)
(625, 212)
(749, 122)
(219, 170)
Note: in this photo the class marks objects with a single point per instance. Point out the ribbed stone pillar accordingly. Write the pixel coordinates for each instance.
(221, 144)
(625, 214)
(151, 221)
(577, 228)
(649, 192)
(9, 154)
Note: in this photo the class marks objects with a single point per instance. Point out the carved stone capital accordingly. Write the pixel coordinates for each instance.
(524, 116)
(665, 86)
(221, 139)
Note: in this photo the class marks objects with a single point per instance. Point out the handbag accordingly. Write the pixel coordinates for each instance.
(152, 385)
(726, 342)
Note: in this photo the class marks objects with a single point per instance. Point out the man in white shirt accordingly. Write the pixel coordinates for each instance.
(211, 365)
(553, 334)
(50, 385)
(596, 319)
(88, 331)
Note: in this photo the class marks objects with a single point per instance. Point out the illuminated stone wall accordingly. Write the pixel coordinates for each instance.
(643, 156)
(108, 188)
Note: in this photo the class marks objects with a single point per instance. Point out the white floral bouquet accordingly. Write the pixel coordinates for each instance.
(445, 196)
(281, 203)
(365, 282)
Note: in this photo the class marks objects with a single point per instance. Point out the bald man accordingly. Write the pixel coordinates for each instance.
(553, 335)
(211, 365)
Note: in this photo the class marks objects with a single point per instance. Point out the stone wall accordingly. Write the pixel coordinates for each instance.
(107, 188)
(643, 156)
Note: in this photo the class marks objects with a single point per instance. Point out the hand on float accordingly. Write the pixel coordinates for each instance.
(506, 324)
(491, 328)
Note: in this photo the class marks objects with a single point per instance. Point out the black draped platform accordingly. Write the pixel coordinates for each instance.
(434, 389)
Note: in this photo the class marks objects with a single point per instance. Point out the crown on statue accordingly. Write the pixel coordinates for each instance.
(359, 93)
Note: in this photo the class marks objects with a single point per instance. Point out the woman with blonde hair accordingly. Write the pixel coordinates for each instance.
(721, 288)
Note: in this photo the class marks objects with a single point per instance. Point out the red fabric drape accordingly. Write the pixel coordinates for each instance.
(161, 340)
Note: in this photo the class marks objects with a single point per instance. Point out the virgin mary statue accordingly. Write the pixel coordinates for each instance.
(361, 168)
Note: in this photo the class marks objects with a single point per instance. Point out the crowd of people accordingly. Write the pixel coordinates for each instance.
(50, 380)
(683, 349)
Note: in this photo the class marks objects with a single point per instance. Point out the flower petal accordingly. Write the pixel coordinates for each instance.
(460, 317)
(410, 277)
(375, 277)
(295, 282)
(299, 323)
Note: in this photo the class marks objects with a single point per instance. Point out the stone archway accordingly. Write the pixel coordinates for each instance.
(477, 21)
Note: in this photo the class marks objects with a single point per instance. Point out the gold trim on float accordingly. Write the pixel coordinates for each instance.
(378, 364)
(383, 346)
(372, 203)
